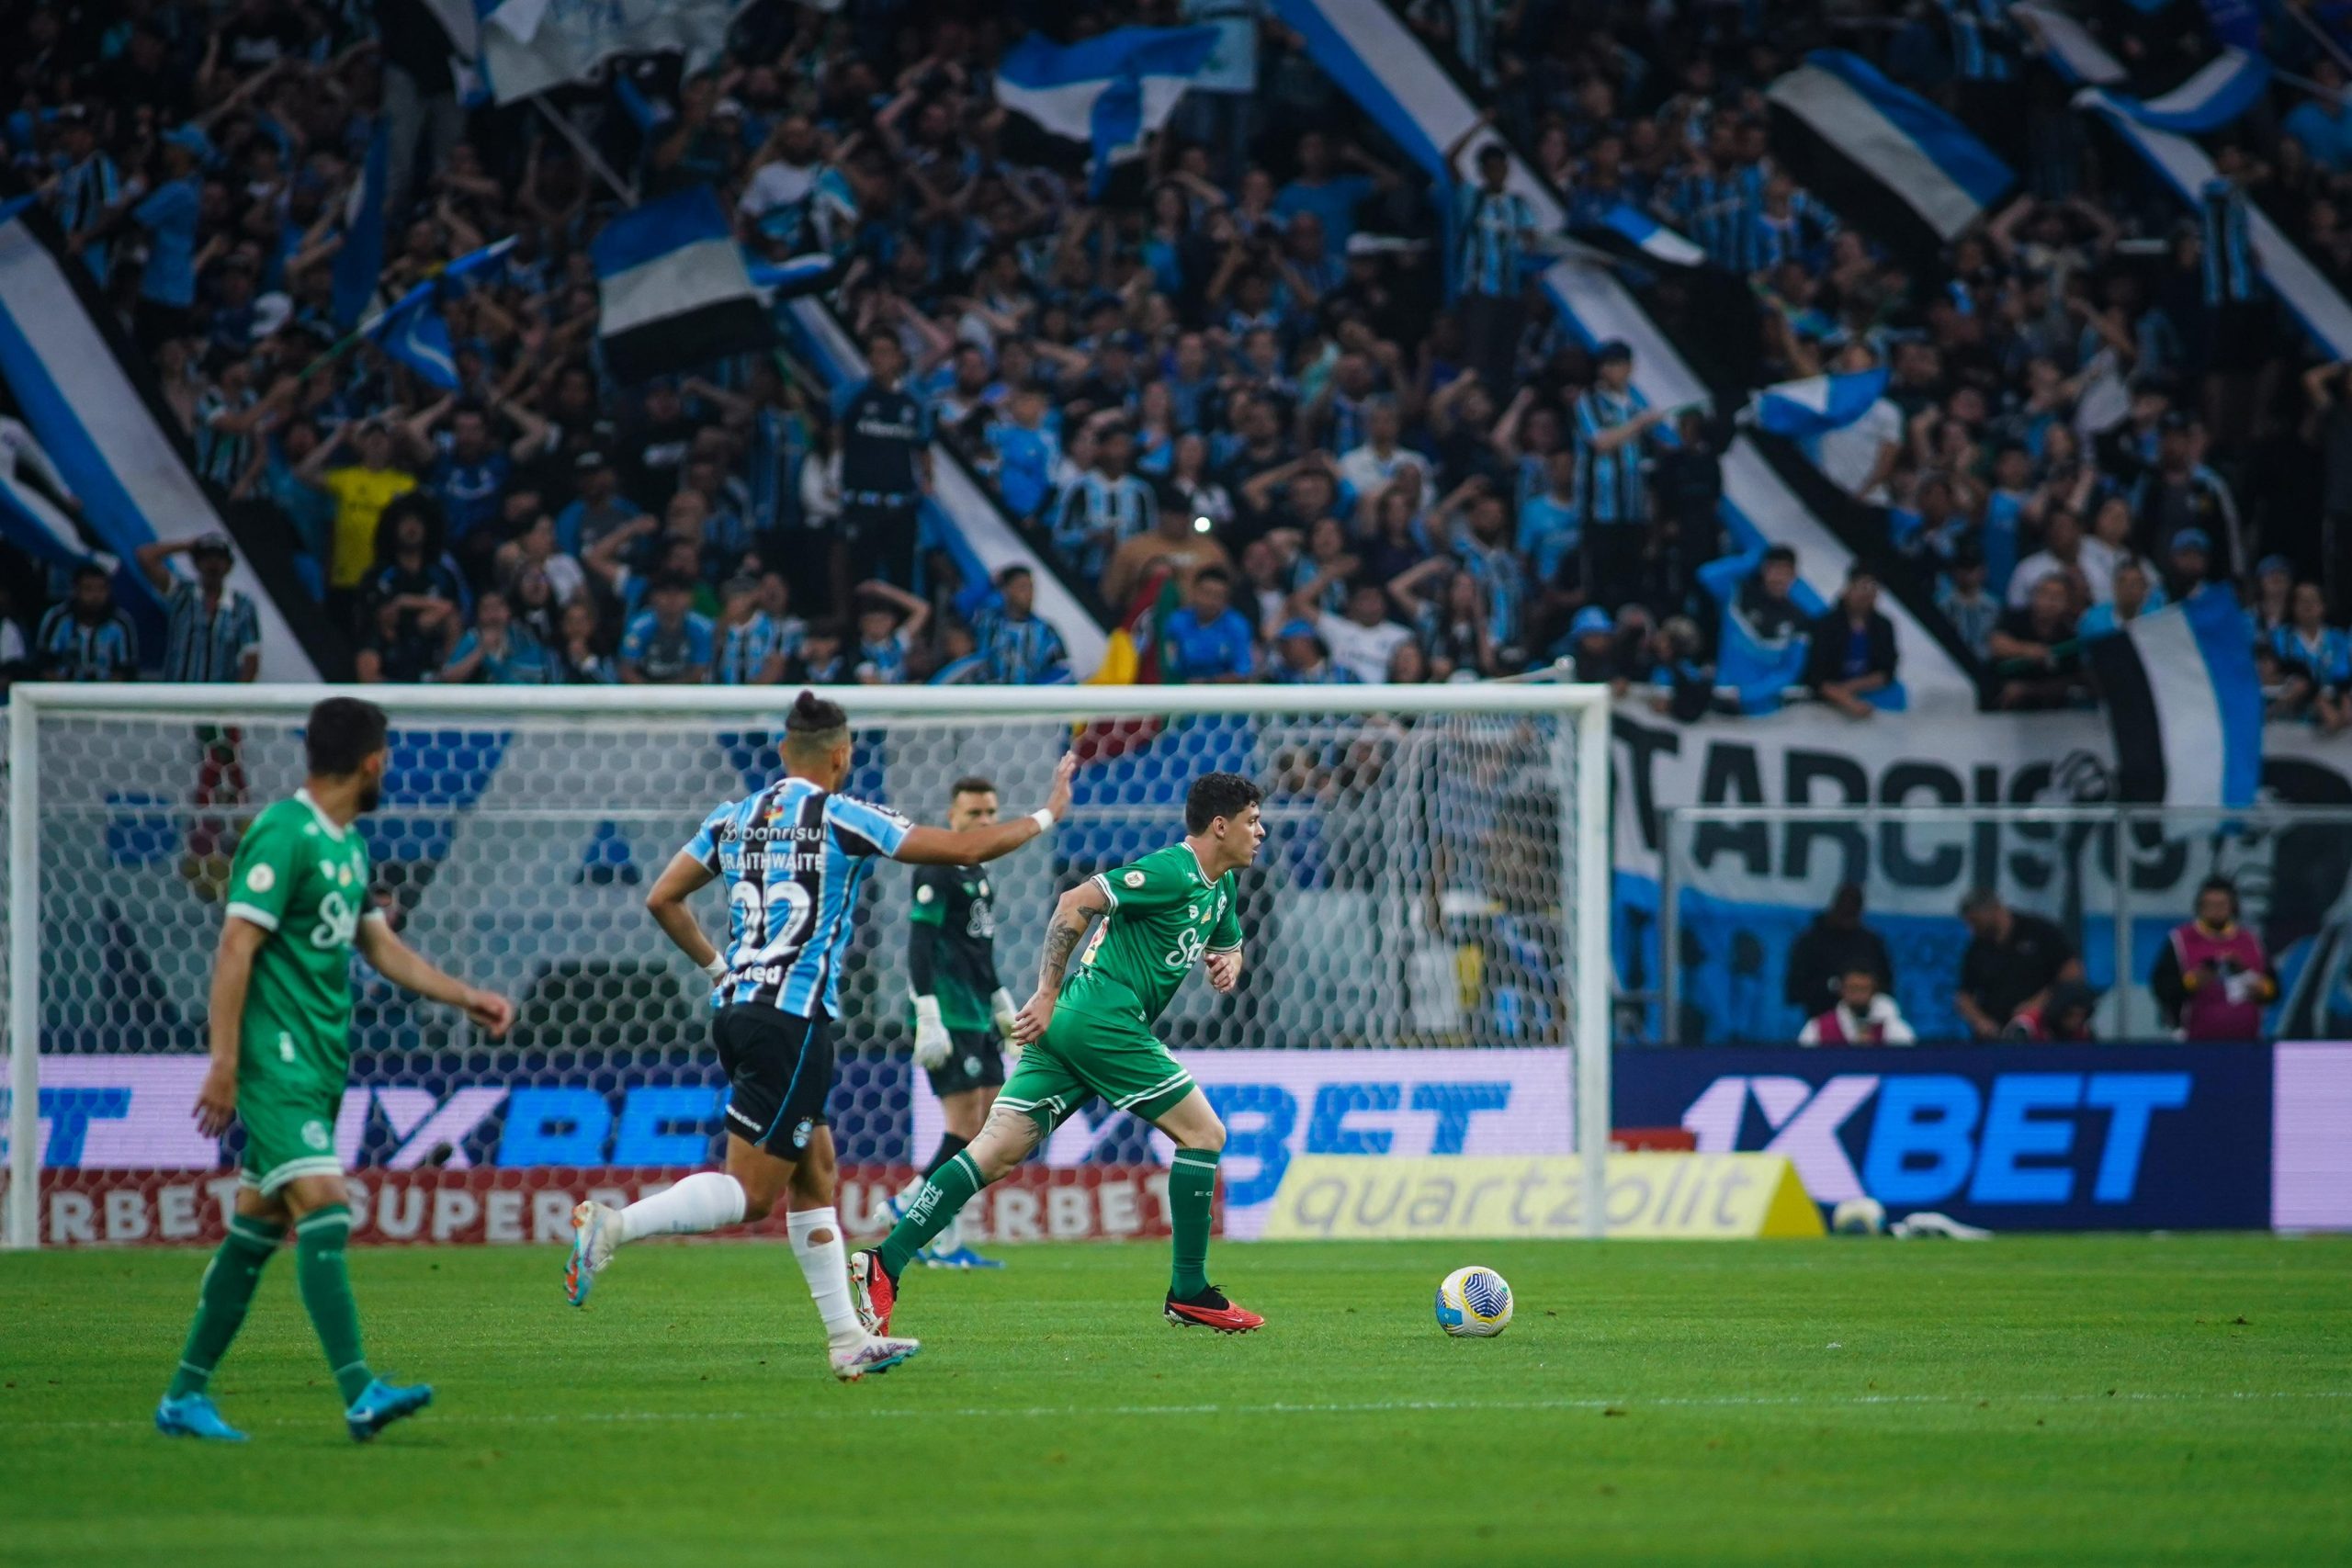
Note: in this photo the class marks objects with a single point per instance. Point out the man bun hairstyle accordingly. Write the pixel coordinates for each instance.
(1219, 795)
(814, 728)
(341, 734)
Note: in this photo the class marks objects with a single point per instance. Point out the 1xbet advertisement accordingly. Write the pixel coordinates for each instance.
(2095, 1138)
(495, 1146)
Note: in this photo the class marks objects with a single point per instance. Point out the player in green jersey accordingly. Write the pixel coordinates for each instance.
(1092, 1036)
(280, 1028)
(962, 1016)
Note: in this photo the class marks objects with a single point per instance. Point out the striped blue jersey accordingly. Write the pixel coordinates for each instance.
(1610, 483)
(201, 647)
(793, 857)
(2226, 260)
(1489, 243)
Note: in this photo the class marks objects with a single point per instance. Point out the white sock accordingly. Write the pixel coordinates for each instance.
(825, 1265)
(707, 1200)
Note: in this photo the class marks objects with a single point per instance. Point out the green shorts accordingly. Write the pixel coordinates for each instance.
(1087, 1053)
(290, 1130)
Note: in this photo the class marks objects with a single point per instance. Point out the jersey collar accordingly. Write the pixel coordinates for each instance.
(1198, 869)
(332, 828)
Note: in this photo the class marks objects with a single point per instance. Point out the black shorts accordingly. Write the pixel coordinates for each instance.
(779, 1070)
(975, 1060)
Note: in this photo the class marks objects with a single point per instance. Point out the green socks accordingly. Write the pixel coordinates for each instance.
(1192, 1182)
(221, 1300)
(319, 1239)
(944, 1193)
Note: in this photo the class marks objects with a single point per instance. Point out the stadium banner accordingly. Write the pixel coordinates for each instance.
(652, 1114)
(2036, 1138)
(1654, 1197)
(444, 1207)
(2311, 1147)
(1745, 891)
(1281, 1106)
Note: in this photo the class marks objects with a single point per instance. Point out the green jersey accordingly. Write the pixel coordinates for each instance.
(304, 880)
(955, 947)
(1164, 914)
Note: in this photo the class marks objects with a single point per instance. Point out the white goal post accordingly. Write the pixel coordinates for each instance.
(1436, 877)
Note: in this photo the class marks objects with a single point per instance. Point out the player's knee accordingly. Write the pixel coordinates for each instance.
(757, 1206)
(1208, 1138)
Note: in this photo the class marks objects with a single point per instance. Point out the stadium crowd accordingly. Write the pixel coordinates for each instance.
(1270, 400)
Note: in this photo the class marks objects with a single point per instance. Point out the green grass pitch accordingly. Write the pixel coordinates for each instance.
(2052, 1399)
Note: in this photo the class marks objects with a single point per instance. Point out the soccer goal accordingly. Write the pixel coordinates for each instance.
(1426, 931)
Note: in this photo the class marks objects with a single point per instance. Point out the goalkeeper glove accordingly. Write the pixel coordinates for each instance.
(932, 1044)
(1001, 1006)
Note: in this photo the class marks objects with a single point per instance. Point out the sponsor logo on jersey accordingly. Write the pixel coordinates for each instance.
(338, 921)
(1190, 945)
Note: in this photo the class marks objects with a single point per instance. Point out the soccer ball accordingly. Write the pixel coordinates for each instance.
(1858, 1216)
(1474, 1303)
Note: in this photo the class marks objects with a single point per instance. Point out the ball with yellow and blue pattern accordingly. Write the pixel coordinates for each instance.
(1474, 1303)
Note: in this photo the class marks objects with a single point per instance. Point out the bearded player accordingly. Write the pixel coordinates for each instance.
(1092, 1036)
(962, 1016)
(280, 1035)
(793, 857)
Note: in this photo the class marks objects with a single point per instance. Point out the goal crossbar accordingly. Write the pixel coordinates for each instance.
(1580, 762)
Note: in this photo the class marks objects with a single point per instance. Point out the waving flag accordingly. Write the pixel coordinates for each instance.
(413, 332)
(2180, 688)
(1627, 229)
(673, 288)
(1816, 405)
(530, 45)
(797, 276)
(1868, 147)
(361, 260)
(2224, 89)
(1108, 92)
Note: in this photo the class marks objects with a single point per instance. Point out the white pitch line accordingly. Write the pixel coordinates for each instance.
(1006, 1412)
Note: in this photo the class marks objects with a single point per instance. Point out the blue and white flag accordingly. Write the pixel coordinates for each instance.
(1856, 139)
(2233, 82)
(2185, 701)
(1108, 92)
(529, 46)
(1816, 405)
(413, 333)
(797, 276)
(673, 288)
(1626, 224)
(360, 262)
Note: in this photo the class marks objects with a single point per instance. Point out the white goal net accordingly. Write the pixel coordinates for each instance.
(1426, 928)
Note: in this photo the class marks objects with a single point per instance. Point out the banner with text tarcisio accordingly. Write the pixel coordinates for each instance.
(1747, 889)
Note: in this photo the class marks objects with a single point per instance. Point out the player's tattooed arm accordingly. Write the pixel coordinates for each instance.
(1071, 913)
(1061, 940)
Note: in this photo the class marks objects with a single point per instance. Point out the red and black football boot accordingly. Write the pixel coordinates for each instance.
(1211, 1310)
(872, 1291)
